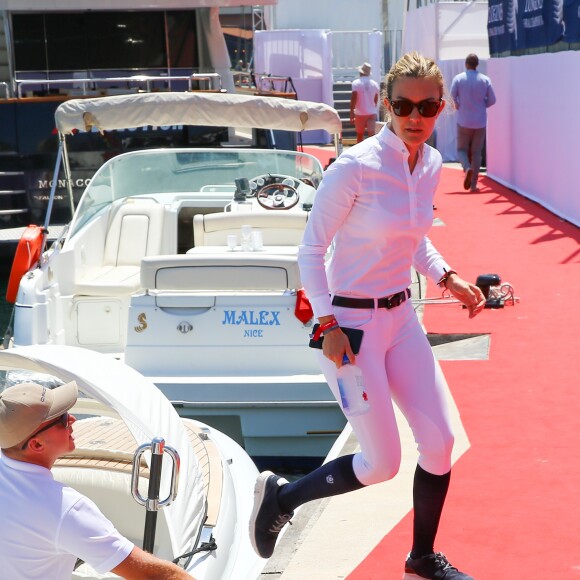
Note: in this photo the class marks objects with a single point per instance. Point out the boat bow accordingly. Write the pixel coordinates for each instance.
(144, 409)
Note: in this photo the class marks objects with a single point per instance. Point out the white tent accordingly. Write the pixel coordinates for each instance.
(448, 32)
(526, 149)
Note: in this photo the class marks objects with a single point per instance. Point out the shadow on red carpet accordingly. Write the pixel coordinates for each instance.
(512, 511)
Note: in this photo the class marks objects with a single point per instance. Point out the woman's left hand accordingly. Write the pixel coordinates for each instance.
(468, 294)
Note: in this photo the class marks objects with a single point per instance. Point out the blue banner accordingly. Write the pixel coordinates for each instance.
(541, 22)
(498, 31)
(516, 25)
(572, 20)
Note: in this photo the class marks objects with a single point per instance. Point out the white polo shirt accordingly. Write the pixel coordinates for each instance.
(45, 525)
(378, 214)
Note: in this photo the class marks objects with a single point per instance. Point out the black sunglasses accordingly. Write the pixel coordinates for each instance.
(62, 420)
(426, 108)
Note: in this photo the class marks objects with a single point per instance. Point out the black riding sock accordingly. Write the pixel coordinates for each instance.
(332, 478)
(429, 493)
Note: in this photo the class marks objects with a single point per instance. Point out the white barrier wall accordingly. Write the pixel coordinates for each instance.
(447, 30)
(534, 128)
(325, 14)
(306, 57)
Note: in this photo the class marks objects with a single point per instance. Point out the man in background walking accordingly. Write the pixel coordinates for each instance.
(473, 94)
(363, 103)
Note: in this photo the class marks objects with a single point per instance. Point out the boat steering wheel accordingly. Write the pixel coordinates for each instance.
(277, 196)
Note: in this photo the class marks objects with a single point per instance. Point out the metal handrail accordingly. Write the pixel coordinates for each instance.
(213, 79)
(6, 87)
(157, 447)
(152, 502)
(283, 83)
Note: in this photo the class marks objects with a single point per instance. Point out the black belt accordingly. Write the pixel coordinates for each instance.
(387, 302)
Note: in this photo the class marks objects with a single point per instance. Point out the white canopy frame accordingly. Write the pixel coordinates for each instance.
(211, 109)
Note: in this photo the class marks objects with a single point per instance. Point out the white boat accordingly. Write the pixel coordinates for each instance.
(121, 410)
(144, 272)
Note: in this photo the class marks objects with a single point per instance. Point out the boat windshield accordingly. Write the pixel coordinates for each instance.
(187, 171)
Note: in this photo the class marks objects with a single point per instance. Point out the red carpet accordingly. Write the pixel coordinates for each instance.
(323, 154)
(513, 510)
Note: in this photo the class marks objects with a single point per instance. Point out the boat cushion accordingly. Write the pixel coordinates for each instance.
(135, 231)
(220, 272)
(111, 491)
(279, 228)
(109, 281)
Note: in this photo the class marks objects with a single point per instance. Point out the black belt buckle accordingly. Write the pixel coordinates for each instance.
(387, 302)
(394, 300)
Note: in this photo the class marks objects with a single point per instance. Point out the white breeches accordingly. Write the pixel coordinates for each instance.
(398, 365)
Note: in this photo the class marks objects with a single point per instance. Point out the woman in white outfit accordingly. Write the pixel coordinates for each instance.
(376, 203)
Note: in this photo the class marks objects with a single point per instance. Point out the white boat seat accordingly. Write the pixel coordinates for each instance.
(134, 232)
(102, 463)
(279, 228)
(220, 272)
(111, 491)
(100, 468)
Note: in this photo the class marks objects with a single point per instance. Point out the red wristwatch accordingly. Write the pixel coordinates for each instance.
(445, 277)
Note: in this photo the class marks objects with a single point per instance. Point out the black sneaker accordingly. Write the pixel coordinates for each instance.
(435, 567)
(267, 519)
(467, 179)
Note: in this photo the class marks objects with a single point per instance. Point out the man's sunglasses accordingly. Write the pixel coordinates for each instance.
(426, 108)
(62, 420)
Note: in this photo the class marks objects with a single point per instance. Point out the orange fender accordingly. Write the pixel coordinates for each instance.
(26, 256)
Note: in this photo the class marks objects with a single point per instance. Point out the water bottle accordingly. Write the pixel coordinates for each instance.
(246, 238)
(351, 388)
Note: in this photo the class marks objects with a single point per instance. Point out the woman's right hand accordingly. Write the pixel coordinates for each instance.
(335, 345)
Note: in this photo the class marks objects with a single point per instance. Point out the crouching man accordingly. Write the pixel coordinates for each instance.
(47, 525)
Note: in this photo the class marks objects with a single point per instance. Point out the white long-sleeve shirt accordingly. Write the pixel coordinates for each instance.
(378, 214)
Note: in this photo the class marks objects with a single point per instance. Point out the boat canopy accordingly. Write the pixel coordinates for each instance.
(145, 410)
(210, 109)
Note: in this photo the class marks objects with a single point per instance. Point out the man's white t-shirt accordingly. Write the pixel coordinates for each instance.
(366, 90)
(46, 525)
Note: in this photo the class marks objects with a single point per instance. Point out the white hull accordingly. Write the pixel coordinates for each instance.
(270, 398)
(285, 420)
(125, 410)
(144, 273)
